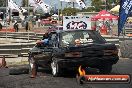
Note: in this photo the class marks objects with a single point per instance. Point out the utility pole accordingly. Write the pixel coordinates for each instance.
(73, 4)
(58, 14)
(6, 17)
(51, 6)
(61, 7)
(25, 3)
(29, 20)
(106, 5)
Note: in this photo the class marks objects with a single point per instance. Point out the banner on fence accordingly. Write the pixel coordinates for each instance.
(76, 22)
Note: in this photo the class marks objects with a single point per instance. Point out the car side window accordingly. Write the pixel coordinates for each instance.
(54, 40)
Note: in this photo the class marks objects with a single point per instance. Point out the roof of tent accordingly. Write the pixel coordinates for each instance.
(104, 15)
(115, 9)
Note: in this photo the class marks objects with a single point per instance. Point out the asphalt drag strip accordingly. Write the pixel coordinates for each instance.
(44, 79)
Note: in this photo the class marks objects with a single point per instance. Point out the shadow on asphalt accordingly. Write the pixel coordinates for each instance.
(67, 73)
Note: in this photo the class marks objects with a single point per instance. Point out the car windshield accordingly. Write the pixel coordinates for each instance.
(84, 36)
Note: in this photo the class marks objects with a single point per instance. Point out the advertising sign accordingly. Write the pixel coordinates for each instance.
(76, 22)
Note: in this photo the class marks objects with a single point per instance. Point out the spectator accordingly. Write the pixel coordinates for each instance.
(45, 36)
(39, 22)
(45, 39)
(98, 27)
(0, 26)
(108, 27)
(16, 26)
(100, 24)
(45, 42)
(27, 26)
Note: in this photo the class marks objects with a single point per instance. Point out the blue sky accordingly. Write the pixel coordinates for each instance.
(56, 2)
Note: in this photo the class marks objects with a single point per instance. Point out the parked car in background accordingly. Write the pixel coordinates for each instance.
(16, 18)
(69, 49)
(27, 19)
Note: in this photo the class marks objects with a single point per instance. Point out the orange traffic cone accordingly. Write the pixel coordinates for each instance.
(33, 71)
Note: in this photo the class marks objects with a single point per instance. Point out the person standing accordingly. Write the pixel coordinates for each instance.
(45, 36)
(16, 26)
(39, 22)
(26, 26)
(0, 26)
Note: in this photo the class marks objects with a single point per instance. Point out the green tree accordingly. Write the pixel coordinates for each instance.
(70, 11)
(104, 4)
(111, 3)
(88, 9)
(2, 3)
(97, 5)
(25, 3)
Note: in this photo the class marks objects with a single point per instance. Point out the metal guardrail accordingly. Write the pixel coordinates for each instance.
(128, 31)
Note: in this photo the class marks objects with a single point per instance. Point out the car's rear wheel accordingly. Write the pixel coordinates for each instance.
(55, 68)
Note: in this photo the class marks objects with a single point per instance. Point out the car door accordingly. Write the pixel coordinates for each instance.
(48, 49)
(56, 46)
(54, 40)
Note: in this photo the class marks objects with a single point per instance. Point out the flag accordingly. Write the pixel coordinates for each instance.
(68, 0)
(124, 11)
(10, 5)
(81, 3)
(45, 7)
(15, 5)
(32, 3)
(39, 3)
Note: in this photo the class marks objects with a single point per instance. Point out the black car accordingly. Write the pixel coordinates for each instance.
(69, 49)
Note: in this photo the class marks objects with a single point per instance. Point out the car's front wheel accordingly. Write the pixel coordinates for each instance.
(55, 68)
